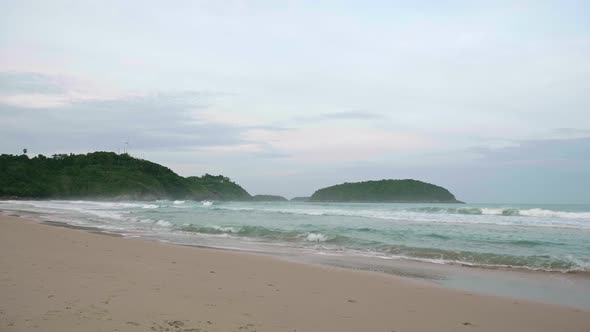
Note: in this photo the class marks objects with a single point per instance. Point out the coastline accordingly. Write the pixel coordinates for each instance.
(564, 288)
(56, 278)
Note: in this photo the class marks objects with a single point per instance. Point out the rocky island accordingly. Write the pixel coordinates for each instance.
(402, 191)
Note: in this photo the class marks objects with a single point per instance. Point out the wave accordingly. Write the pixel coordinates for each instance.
(490, 260)
(438, 236)
(535, 212)
(434, 214)
(483, 246)
(163, 223)
(432, 255)
(378, 213)
(264, 233)
(558, 214)
(377, 249)
(316, 237)
(525, 243)
(363, 229)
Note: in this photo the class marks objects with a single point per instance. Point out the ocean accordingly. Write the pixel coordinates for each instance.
(538, 252)
(551, 237)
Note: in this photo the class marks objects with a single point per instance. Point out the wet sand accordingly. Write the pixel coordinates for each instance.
(64, 279)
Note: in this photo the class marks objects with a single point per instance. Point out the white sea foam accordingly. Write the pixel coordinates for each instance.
(207, 203)
(316, 237)
(341, 220)
(505, 216)
(163, 223)
(492, 211)
(226, 229)
(554, 214)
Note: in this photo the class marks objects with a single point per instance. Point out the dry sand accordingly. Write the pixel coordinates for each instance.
(57, 279)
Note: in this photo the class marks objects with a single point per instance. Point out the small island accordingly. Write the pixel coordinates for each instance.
(268, 198)
(300, 199)
(386, 191)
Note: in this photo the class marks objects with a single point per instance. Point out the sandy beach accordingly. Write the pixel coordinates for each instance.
(59, 279)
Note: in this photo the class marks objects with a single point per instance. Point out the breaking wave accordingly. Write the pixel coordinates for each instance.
(433, 255)
(504, 212)
(555, 239)
(534, 217)
(546, 263)
(265, 233)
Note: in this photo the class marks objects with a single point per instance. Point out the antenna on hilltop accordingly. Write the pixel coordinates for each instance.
(126, 148)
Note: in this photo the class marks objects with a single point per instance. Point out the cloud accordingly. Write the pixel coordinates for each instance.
(571, 132)
(537, 153)
(351, 115)
(324, 144)
(342, 116)
(17, 83)
(150, 122)
(535, 171)
(40, 90)
(178, 122)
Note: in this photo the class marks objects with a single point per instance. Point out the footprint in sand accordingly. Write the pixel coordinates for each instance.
(176, 323)
(173, 325)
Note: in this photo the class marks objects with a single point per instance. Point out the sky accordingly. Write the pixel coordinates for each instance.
(488, 99)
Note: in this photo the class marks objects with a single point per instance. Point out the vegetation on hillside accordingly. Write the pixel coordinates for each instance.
(384, 191)
(268, 198)
(300, 199)
(106, 175)
(216, 187)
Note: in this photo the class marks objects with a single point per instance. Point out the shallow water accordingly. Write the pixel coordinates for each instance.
(547, 238)
(536, 237)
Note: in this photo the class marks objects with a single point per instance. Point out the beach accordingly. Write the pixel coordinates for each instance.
(60, 279)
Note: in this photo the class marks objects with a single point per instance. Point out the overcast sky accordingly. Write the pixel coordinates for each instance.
(489, 99)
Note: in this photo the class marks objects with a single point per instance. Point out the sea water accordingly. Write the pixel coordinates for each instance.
(535, 252)
(552, 237)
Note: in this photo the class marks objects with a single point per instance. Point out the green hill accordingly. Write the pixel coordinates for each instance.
(216, 187)
(300, 199)
(106, 175)
(385, 191)
(268, 198)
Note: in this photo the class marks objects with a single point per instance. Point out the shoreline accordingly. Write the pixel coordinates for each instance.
(579, 271)
(409, 260)
(568, 289)
(56, 278)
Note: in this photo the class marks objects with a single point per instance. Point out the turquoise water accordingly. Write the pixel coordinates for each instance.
(536, 237)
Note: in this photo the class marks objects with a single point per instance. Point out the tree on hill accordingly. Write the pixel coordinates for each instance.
(384, 191)
(106, 175)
